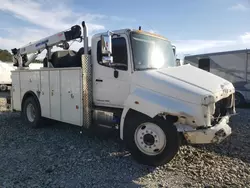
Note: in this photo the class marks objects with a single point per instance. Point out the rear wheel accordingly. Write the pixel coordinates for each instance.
(152, 142)
(31, 112)
(3, 87)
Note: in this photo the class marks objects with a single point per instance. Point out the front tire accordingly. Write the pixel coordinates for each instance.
(239, 100)
(153, 142)
(31, 113)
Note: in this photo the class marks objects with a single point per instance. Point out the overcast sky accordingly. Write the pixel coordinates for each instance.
(194, 26)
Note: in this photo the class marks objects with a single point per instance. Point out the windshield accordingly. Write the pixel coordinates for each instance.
(151, 52)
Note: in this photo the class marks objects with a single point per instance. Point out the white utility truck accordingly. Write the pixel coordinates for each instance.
(128, 80)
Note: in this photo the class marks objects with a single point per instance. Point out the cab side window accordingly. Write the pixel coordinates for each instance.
(119, 53)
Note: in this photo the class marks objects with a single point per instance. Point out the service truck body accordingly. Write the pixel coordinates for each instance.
(140, 91)
(233, 66)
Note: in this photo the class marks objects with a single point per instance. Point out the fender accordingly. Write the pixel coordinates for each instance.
(151, 104)
(28, 94)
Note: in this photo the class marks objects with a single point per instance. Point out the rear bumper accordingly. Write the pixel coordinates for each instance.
(214, 134)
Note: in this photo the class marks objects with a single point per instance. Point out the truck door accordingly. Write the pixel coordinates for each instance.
(111, 84)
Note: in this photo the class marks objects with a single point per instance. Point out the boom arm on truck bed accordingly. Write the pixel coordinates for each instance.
(60, 39)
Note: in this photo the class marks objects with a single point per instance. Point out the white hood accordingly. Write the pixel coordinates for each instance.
(187, 83)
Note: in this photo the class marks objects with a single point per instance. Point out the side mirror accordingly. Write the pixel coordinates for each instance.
(106, 40)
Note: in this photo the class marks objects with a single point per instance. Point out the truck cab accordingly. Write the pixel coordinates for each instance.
(132, 52)
(128, 79)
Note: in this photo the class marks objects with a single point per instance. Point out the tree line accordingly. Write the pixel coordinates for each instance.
(6, 56)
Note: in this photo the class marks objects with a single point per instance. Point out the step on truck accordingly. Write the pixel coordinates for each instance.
(127, 79)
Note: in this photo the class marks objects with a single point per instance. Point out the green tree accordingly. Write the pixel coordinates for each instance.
(6, 56)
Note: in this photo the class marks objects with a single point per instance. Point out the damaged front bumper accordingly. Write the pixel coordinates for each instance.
(214, 134)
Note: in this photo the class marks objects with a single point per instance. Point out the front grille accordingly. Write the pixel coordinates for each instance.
(223, 107)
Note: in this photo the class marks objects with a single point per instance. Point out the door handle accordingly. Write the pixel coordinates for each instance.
(98, 80)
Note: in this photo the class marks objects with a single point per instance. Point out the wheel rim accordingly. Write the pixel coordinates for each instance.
(2, 87)
(30, 110)
(150, 139)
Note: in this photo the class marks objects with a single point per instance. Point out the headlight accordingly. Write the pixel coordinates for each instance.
(208, 113)
(207, 100)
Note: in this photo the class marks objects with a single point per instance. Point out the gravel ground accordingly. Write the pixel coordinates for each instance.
(60, 156)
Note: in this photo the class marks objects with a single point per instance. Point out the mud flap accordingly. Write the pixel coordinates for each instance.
(8, 103)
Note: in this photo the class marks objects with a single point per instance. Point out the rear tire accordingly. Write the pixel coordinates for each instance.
(153, 142)
(3, 87)
(31, 113)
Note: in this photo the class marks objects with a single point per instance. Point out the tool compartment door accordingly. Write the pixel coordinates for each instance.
(16, 91)
(55, 97)
(71, 103)
(44, 96)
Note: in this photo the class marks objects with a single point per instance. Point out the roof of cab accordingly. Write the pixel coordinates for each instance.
(150, 34)
(136, 31)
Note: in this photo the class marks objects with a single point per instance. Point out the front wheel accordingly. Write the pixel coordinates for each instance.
(152, 142)
(239, 100)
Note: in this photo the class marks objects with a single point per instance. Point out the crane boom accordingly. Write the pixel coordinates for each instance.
(20, 55)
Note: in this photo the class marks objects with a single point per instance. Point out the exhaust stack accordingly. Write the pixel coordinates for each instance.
(86, 82)
(85, 37)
